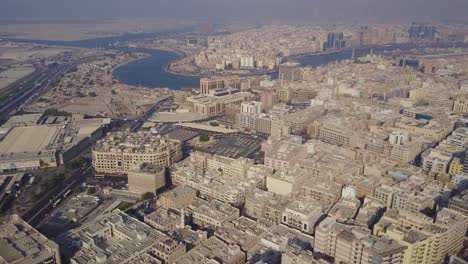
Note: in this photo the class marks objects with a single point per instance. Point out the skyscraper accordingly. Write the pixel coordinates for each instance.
(335, 40)
(421, 31)
(330, 40)
(289, 72)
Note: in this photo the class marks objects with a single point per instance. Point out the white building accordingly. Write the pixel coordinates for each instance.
(253, 107)
(247, 62)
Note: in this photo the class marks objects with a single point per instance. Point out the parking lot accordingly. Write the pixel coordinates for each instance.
(236, 146)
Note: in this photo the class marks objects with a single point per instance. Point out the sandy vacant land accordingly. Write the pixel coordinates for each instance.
(12, 75)
(20, 54)
(71, 32)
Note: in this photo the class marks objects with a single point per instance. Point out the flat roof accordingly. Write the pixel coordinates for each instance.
(208, 128)
(173, 117)
(28, 139)
(28, 119)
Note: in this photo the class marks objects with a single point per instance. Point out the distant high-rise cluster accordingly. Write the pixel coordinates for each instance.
(335, 40)
(422, 31)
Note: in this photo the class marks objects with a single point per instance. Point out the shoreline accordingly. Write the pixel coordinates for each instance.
(183, 55)
(146, 55)
(405, 47)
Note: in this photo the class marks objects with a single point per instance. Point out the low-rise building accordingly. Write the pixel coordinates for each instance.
(230, 166)
(278, 237)
(20, 243)
(385, 194)
(413, 201)
(349, 244)
(267, 205)
(146, 177)
(286, 182)
(48, 145)
(436, 161)
(213, 250)
(178, 198)
(427, 241)
(214, 214)
(302, 214)
(117, 238)
(459, 203)
(165, 220)
(284, 154)
(461, 104)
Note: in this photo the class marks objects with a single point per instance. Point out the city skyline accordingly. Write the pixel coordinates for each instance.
(232, 132)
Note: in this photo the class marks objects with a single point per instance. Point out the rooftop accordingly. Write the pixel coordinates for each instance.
(141, 142)
(20, 243)
(30, 139)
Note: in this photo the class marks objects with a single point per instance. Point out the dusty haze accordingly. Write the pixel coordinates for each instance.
(328, 11)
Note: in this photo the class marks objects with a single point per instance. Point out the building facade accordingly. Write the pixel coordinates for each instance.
(120, 152)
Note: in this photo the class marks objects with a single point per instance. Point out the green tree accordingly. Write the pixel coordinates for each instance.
(147, 196)
(124, 206)
(75, 164)
(55, 112)
(204, 138)
(92, 94)
(90, 190)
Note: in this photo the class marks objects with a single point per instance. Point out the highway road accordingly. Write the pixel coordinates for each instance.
(10, 88)
(45, 206)
(156, 107)
(134, 124)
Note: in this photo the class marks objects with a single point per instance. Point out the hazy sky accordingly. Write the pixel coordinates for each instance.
(313, 10)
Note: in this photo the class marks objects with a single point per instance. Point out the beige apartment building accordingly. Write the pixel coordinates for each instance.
(209, 84)
(433, 129)
(146, 177)
(459, 203)
(286, 182)
(230, 166)
(120, 152)
(118, 238)
(213, 250)
(177, 198)
(336, 134)
(436, 160)
(284, 154)
(406, 152)
(350, 244)
(165, 220)
(268, 99)
(279, 128)
(385, 194)
(413, 201)
(21, 243)
(214, 214)
(427, 241)
(302, 215)
(215, 103)
(289, 72)
(461, 104)
(263, 204)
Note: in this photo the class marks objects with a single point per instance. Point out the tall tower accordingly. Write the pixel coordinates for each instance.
(289, 72)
